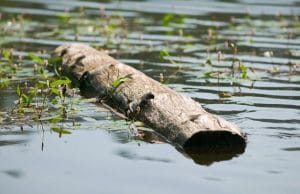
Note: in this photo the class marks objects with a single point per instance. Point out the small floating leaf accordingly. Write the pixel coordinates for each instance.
(225, 94)
(56, 119)
(60, 130)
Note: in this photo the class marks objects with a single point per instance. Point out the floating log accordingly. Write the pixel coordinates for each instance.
(178, 118)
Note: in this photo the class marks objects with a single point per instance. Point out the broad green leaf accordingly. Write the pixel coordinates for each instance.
(25, 99)
(116, 83)
(167, 19)
(33, 91)
(55, 60)
(60, 82)
(55, 91)
(163, 53)
(64, 17)
(54, 101)
(36, 58)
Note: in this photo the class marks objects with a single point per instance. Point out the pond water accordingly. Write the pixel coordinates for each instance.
(239, 59)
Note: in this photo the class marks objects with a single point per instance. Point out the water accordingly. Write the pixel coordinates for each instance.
(101, 156)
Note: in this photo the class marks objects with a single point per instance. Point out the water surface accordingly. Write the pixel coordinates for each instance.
(101, 155)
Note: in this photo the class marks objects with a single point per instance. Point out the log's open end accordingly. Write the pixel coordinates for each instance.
(212, 146)
(215, 138)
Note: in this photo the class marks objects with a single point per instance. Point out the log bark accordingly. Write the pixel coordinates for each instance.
(178, 118)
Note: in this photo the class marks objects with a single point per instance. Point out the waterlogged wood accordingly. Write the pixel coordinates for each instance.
(178, 118)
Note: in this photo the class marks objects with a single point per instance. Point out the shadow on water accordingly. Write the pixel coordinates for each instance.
(134, 156)
(205, 148)
(14, 173)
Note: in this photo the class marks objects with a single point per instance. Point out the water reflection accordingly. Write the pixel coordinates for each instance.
(292, 149)
(134, 156)
(208, 155)
(14, 173)
(11, 142)
(205, 149)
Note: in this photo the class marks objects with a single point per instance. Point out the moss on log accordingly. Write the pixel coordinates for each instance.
(178, 118)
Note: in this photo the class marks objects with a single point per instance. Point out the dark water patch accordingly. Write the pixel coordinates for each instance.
(11, 142)
(14, 173)
(133, 156)
(291, 149)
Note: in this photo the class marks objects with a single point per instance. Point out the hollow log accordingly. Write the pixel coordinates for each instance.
(178, 118)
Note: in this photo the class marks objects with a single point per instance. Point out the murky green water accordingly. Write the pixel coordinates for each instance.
(101, 155)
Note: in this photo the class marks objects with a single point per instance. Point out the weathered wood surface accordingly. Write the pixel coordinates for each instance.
(178, 118)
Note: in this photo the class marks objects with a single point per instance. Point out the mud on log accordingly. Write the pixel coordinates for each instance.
(178, 118)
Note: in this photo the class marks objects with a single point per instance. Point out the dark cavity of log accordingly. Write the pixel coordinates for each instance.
(178, 118)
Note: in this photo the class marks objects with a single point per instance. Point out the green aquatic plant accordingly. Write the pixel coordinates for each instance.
(4, 82)
(243, 70)
(212, 36)
(116, 84)
(7, 54)
(164, 54)
(64, 17)
(36, 100)
(36, 58)
(172, 18)
(7, 68)
(120, 80)
(60, 131)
